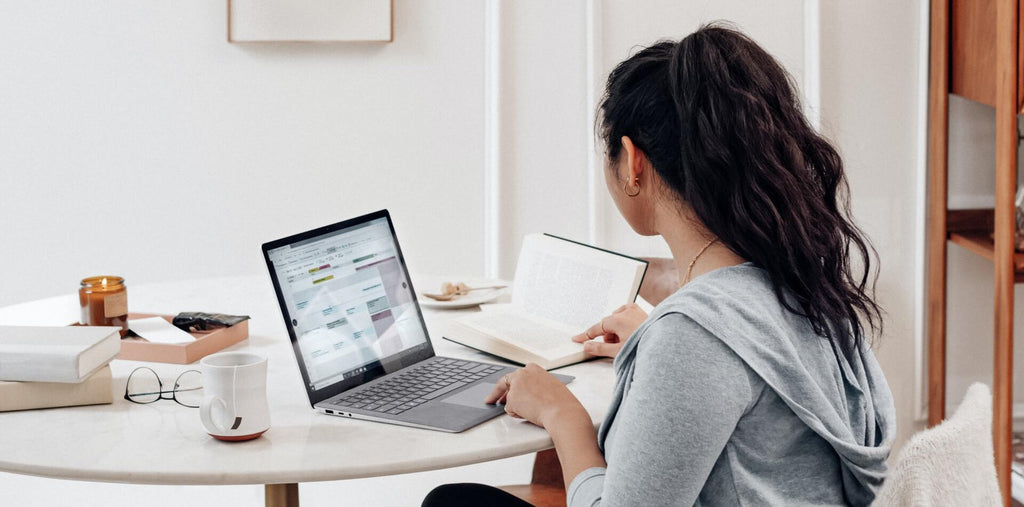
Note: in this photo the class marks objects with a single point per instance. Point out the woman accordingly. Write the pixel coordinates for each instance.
(754, 382)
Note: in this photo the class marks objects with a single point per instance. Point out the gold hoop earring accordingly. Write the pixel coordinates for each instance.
(634, 194)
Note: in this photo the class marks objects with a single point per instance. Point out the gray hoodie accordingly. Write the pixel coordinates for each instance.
(724, 397)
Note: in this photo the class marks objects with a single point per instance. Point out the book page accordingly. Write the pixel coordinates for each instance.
(546, 339)
(570, 283)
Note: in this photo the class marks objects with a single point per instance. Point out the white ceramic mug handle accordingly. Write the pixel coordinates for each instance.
(205, 413)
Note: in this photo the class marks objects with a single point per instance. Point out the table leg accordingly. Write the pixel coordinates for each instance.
(281, 495)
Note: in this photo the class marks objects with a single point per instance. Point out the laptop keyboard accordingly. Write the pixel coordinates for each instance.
(416, 386)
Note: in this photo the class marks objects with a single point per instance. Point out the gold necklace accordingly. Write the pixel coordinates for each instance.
(689, 269)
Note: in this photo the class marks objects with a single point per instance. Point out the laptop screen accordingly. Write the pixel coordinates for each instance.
(348, 303)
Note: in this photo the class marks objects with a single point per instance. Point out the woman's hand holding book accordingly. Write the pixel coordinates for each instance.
(615, 328)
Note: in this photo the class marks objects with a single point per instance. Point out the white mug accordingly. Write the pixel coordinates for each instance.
(234, 404)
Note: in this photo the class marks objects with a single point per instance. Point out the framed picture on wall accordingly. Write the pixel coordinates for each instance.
(309, 20)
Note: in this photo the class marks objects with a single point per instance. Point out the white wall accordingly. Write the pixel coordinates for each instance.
(134, 140)
(543, 154)
(871, 78)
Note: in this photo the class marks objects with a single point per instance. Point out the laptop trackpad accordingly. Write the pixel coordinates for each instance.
(472, 397)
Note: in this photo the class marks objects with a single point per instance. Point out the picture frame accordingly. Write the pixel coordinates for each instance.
(309, 21)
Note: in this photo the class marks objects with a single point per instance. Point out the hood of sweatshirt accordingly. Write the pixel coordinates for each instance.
(845, 400)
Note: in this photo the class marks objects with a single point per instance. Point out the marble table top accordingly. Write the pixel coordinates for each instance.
(165, 443)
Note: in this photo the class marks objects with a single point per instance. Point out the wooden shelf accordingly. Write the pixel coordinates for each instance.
(980, 242)
(972, 229)
(976, 50)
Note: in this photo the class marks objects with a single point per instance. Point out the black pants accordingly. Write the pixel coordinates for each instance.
(471, 495)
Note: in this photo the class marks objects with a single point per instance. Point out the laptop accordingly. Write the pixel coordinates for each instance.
(358, 333)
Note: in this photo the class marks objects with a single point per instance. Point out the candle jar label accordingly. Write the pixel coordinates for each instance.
(115, 305)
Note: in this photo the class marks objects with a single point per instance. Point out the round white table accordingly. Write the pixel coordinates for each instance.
(165, 443)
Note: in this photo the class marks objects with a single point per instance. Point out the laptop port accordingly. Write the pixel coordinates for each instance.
(330, 411)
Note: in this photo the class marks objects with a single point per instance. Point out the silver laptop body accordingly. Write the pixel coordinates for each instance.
(358, 333)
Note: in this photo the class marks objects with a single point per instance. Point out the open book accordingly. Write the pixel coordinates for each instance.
(561, 288)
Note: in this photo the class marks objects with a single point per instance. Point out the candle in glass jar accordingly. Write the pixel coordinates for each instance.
(104, 301)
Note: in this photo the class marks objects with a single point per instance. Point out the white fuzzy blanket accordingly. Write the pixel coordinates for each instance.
(950, 464)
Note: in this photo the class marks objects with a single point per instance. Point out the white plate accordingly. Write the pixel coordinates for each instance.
(477, 297)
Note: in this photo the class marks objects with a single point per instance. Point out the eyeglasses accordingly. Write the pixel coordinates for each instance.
(144, 386)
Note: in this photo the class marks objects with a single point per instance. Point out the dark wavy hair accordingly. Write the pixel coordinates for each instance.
(720, 122)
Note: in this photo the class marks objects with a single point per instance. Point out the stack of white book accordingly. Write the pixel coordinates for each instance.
(42, 367)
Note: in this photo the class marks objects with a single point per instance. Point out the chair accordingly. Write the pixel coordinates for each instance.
(950, 464)
(546, 487)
